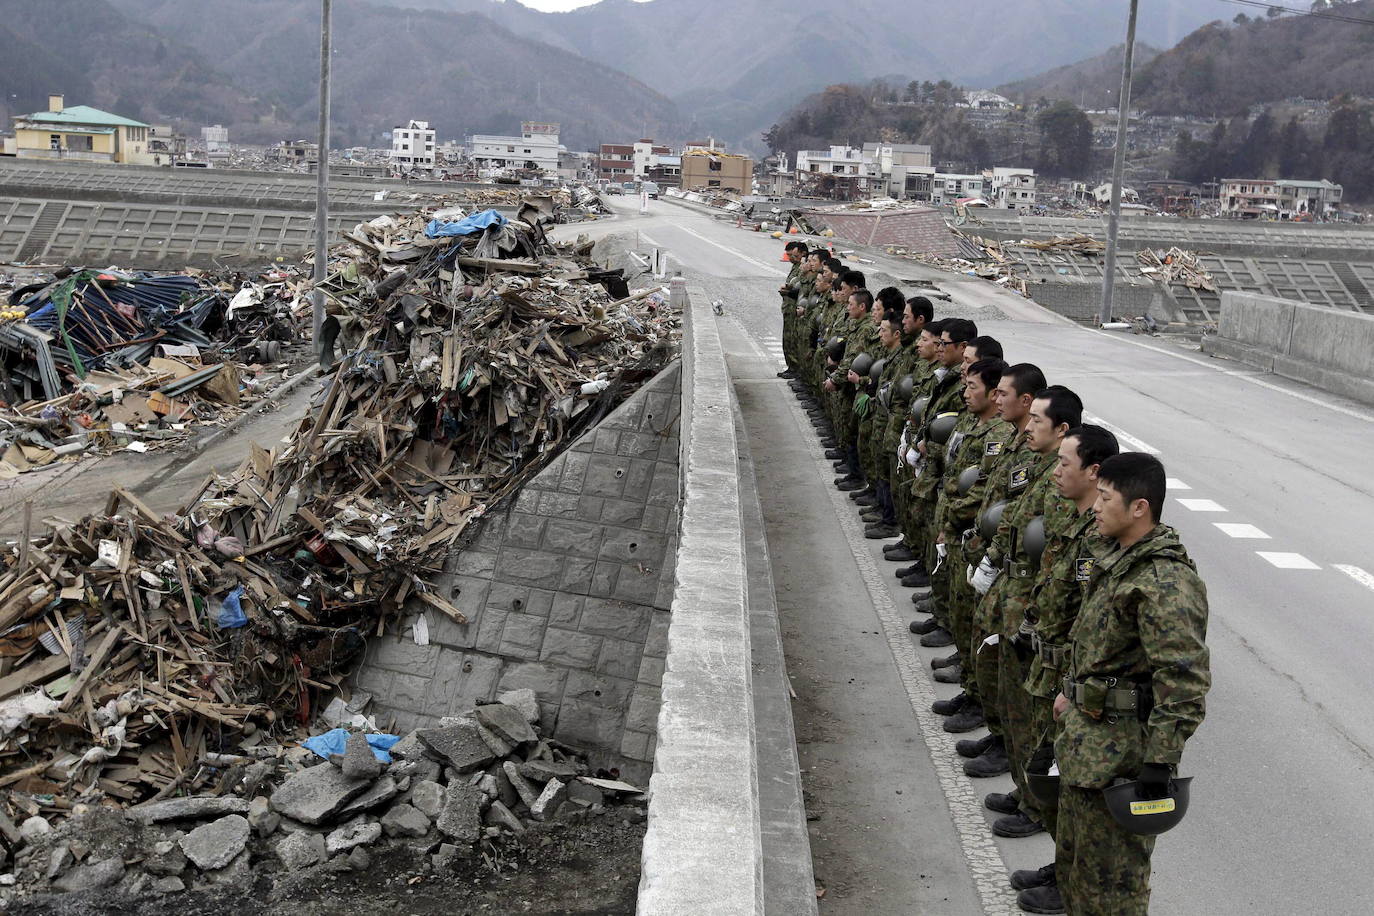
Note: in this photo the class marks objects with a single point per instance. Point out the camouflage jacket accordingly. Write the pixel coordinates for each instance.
(862, 338)
(908, 362)
(1040, 497)
(946, 397)
(1143, 623)
(790, 288)
(1072, 547)
(957, 512)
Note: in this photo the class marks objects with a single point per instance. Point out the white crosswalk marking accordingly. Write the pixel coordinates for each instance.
(1287, 560)
(1241, 531)
(1173, 483)
(1201, 505)
(1359, 575)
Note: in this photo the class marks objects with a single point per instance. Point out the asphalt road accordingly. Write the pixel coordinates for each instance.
(1272, 492)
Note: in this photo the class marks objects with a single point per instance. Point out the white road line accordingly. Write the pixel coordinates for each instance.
(1173, 483)
(1241, 531)
(1200, 505)
(1139, 445)
(766, 267)
(1287, 560)
(985, 862)
(1243, 376)
(1359, 575)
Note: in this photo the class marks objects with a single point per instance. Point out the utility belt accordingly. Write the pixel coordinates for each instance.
(1056, 658)
(1016, 570)
(1109, 696)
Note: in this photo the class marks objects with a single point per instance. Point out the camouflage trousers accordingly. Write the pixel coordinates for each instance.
(1042, 731)
(1013, 664)
(789, 335)
(1102, 870)
(987, 659)
(961, 600)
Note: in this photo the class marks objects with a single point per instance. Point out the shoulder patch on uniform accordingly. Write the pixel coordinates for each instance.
(1083, 568)
(1019, 478)
(994, 448)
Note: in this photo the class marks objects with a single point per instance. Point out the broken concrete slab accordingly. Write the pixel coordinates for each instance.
(316, 794)
(461, 818)
(428, 797)
(196, 808)
(446, 855)
(58, 860)
(527, 790)
(499, 746)
(405, 820)
(359, 859)
(236, 873)
(408, 748)
(359, 762)
(214, 845)
(301, 850)
(498, 815)
(546, 805)
(103, 873)
(382, 791)
(169, 885)
(261, 817)
(524, 700)
(165, 858)
(460, 744)
(352, 835)
(508, 723)
(543, 770)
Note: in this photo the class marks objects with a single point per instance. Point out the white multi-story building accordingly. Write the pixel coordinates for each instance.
(535, 149)
(949, 188)
(216, 140)
(412, 146)
(905, 169)
(1011, 189)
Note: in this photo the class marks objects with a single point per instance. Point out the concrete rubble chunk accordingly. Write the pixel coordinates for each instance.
(499, 746)
(428, 797)
(461, 818)
(382, 791)
(445, 855)
(546, 805)
(523, 787)
(524, 700)
(582, 793)
(544, 770)
(408, 748)
(359, 859)
(500, 816)
(261, 817)
(104, 873)
(460, 744)
(300, 850)
(507, 722)
(214, 845)
(169, 885)
(165, 858)
(405, 820)
(488, 785)
(58, 860)
(235, 874)
(34, 827)
(316, 794)
(359, 762)
(351, 835)
(180, 809)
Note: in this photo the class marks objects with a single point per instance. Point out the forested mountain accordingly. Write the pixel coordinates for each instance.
(1091, 83)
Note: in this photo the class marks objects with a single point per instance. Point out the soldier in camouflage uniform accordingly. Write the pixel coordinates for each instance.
(793, 337)
(924, 381)
(1136, 692)
(789, 291)
(861, 337)
(881, 523)
(1072, 547)
(894, 408)
(958, 506)
(1054, 412)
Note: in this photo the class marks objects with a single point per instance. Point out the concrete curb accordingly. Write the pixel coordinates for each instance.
(702, 851)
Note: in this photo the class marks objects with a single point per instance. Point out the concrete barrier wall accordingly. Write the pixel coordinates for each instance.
(1324, 347)
(703, 852)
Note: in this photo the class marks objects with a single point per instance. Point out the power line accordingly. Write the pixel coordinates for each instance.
(1315, 14)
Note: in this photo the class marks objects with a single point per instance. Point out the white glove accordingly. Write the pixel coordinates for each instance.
(940, 551)
(912, 457)
(902, 448)
(984, 577)
(968, 573)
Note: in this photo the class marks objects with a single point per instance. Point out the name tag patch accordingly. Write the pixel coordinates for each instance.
(994, 448)
(1019, 478)
(1158, 806)
(1083, 568)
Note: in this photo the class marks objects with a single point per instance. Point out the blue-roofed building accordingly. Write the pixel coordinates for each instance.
(82, 133)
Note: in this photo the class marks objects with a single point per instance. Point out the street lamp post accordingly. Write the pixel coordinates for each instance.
(1118, 167)
(322, 189)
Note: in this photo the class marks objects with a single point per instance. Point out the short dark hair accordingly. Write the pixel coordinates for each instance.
(1026, 378)
(936, 327)
(835, 264)
(893, 315)
(921, 307)
(1065, 407)
(960, 330)
(854, 278)
(1136, 475)
(820, 253)
(987, 347)
(864, 296)
(988, 371)
(1095, 444)
(794, 245)
(891, 298)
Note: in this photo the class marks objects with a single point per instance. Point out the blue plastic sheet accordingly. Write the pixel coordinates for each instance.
(334, 740)
(231, 615)
(473, 222)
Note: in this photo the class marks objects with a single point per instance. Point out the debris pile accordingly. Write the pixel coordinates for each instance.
(144, 655)
(102, 360)
(468, 787)
(1175, 266)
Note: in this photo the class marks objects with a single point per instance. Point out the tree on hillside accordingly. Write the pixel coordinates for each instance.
(1295, 157)
(1066, 141)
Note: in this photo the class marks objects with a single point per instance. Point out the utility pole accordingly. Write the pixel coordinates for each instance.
(1123, 104)
(322, 189)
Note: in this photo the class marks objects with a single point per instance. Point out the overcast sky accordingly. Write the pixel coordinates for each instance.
(558, 6)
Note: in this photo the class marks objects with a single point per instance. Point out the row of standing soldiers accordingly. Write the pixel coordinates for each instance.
(1077, 620)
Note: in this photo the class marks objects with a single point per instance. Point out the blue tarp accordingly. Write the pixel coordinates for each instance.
(333, 741)
(473, 222)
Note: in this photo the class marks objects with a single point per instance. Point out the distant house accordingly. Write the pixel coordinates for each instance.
(412, 146)
(1103, 194)
(81, 133)
(984, 100)
(1012, 189)
(725, 171)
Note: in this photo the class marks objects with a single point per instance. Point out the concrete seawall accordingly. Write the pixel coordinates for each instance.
(1329, 349)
